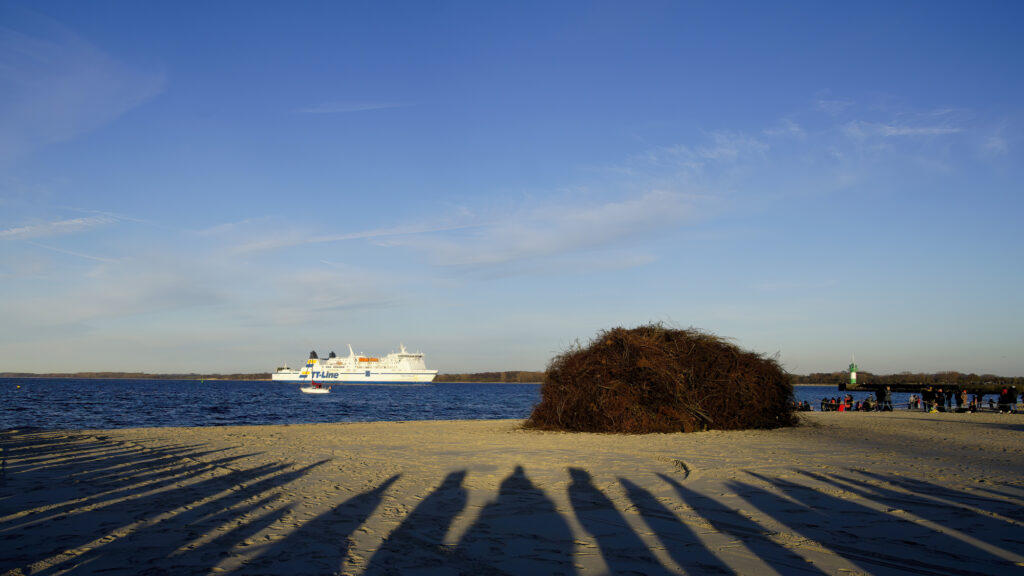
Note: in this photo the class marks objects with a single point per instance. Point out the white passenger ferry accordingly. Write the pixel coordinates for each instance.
(402, 367)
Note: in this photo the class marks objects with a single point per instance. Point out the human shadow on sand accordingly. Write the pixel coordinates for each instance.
(424, 531)
(519, 533)
(873, 538)
(621, 548)
(929, 496)
(753, 535)
(679, 540)
(963, 512)
(318, 546)
(86, 505)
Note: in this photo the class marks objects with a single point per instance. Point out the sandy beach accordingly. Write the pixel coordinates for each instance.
(861, 493)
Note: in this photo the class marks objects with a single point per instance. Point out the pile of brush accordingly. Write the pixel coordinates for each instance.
(656, 379)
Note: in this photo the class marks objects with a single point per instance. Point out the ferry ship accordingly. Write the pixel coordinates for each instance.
(402, 367)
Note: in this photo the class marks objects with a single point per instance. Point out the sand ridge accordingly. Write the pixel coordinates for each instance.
(874, 493)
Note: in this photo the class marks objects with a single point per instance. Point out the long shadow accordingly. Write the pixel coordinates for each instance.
(1003, 534)
(679, 539)
(921, 492)
(320, 545)
(54, 490)
(205, 507)
(42, 451)
(1005, 491)
(58, 509)
(55, 474)
(519, 533)
(424, 530)
(752, 534)
(95, 497)
(873, 540)
(621, 548)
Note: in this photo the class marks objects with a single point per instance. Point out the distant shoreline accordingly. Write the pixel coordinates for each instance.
(512, 377)
(135, 376)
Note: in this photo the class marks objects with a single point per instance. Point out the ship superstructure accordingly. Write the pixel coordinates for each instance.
(401, 367)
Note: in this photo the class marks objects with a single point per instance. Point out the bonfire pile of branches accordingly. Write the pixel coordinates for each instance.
(656, 379)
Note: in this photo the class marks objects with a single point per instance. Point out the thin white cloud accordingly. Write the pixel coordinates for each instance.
(304, 237)
(75, 253)
(552, 231)
(861, 129)
(346, 107)
(832, 106)
(730, 146)
(720, 149)
(55, 228)
(786, 127)
(55, 85)
(896, 130)
(102, 295)
(228, 228)
(995, 145)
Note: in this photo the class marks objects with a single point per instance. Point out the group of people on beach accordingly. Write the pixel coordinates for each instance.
(883, 401)
(930, 400)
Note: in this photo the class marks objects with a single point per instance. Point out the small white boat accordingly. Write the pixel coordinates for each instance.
(315, 388)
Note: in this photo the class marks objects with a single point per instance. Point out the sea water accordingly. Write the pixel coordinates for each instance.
(95, 403)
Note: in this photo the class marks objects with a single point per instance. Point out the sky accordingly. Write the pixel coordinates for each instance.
(221, 187)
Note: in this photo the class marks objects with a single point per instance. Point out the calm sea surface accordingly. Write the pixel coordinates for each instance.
(72, 403)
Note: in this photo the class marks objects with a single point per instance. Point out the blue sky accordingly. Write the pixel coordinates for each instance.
(224, 186)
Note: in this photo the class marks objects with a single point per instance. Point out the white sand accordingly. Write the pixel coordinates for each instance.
(876, 493)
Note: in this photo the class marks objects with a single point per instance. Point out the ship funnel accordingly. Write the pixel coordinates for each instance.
(332, 355)
(313, 356)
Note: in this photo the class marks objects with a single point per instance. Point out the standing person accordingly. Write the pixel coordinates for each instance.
(927, 399)
(886, 399)
(1004, 401)
(940, 401)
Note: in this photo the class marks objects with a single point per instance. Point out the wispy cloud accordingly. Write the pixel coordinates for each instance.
(345, 107)
(75, 253)
(551, 231)
(718, 148)
(833, 107)
(995, 145)
(786, 127)
(897, 130)
(303, 237)
(55, 228)
(55, 85)
(105, 294)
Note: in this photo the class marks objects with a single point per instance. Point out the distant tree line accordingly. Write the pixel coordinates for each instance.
(512, 377)
(137, 376)
(938, 379)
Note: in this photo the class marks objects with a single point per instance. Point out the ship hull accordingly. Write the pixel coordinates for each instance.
(359, 377)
